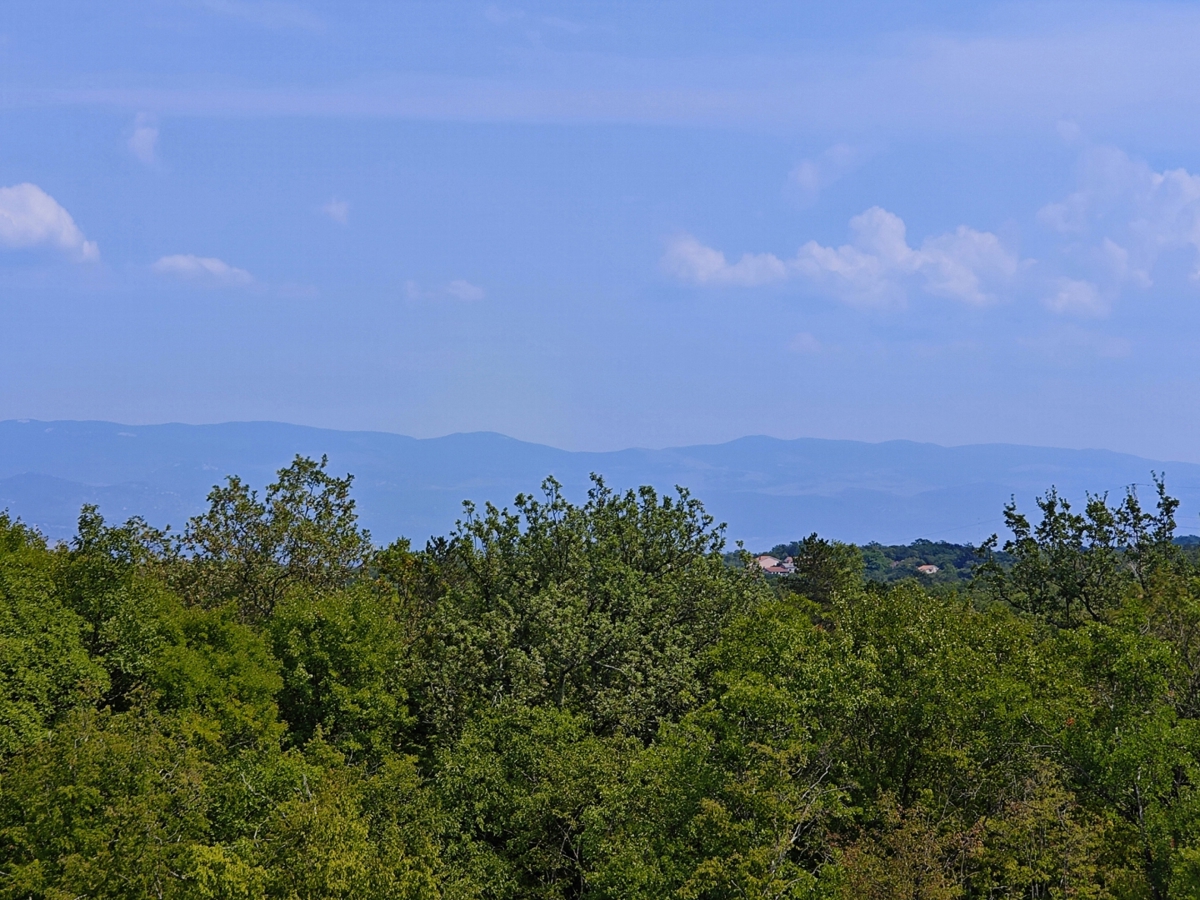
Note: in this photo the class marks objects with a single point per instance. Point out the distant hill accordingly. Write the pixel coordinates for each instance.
(769, 491)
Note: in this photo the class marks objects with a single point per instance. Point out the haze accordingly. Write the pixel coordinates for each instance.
(599, 226)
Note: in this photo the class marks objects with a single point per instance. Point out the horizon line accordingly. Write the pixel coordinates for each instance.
(664, 449)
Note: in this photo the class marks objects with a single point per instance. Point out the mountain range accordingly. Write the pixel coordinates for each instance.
(766, 489)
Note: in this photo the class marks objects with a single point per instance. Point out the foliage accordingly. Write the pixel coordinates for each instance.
(250, 552)
(956, 563)
(45, 669)
(603, 609)
(570, 701)
(1072, 567)
(824, 569)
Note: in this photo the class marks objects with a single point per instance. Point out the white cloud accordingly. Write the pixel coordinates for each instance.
(874, 269)
(338, 210)
(1116, 225)
(1108, 179)
(1078, 298)
(686, 258)
(464, 290)
(1068, 130)
(1150, 211)
(1115, 261)
(29, 217)
(1168, 213)
(202, 268)
(958, 264)
(143, 143)
(870, 270)
(811, 176)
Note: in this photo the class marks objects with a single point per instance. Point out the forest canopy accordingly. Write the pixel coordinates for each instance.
(569, 701)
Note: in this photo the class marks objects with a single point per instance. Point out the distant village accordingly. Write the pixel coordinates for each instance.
(773, 566)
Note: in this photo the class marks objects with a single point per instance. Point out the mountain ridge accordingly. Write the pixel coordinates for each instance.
(769, 490)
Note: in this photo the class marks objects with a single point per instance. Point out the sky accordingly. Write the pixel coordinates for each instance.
(604, 225)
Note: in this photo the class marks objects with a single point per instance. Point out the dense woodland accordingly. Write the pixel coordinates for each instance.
(566, 701)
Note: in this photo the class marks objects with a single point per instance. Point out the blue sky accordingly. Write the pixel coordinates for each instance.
(600, 225)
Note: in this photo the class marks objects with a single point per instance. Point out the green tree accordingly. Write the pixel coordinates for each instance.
(525, 788)
(250, 552)
(108, 807)
(113, 578)
(824, 569)
(347, 664)
(1076, 567)
(738, 799)
(603, 609)
(45, 669)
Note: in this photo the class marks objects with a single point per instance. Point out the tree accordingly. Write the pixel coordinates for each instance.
(112, 576)
(346, 657)
(824, 569)
(604, 609)
(587, 701)
(45, 669)
(250, 552)
(109, 807)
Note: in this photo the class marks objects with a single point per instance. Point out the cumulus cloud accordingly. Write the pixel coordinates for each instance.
(202, 268)
(1122, 219)
(29, 217)
(143, 143)
(875, 269)
(338, 210)
(1068, 130)
(689, 260)
(959, 264)
(1114, 259)
(1108, 180)
(811, 176)
(1140, 212)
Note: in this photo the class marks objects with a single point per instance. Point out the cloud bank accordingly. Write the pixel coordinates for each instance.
(876, 268)
(1110, 71)
(1114, 233)
(29, 218)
